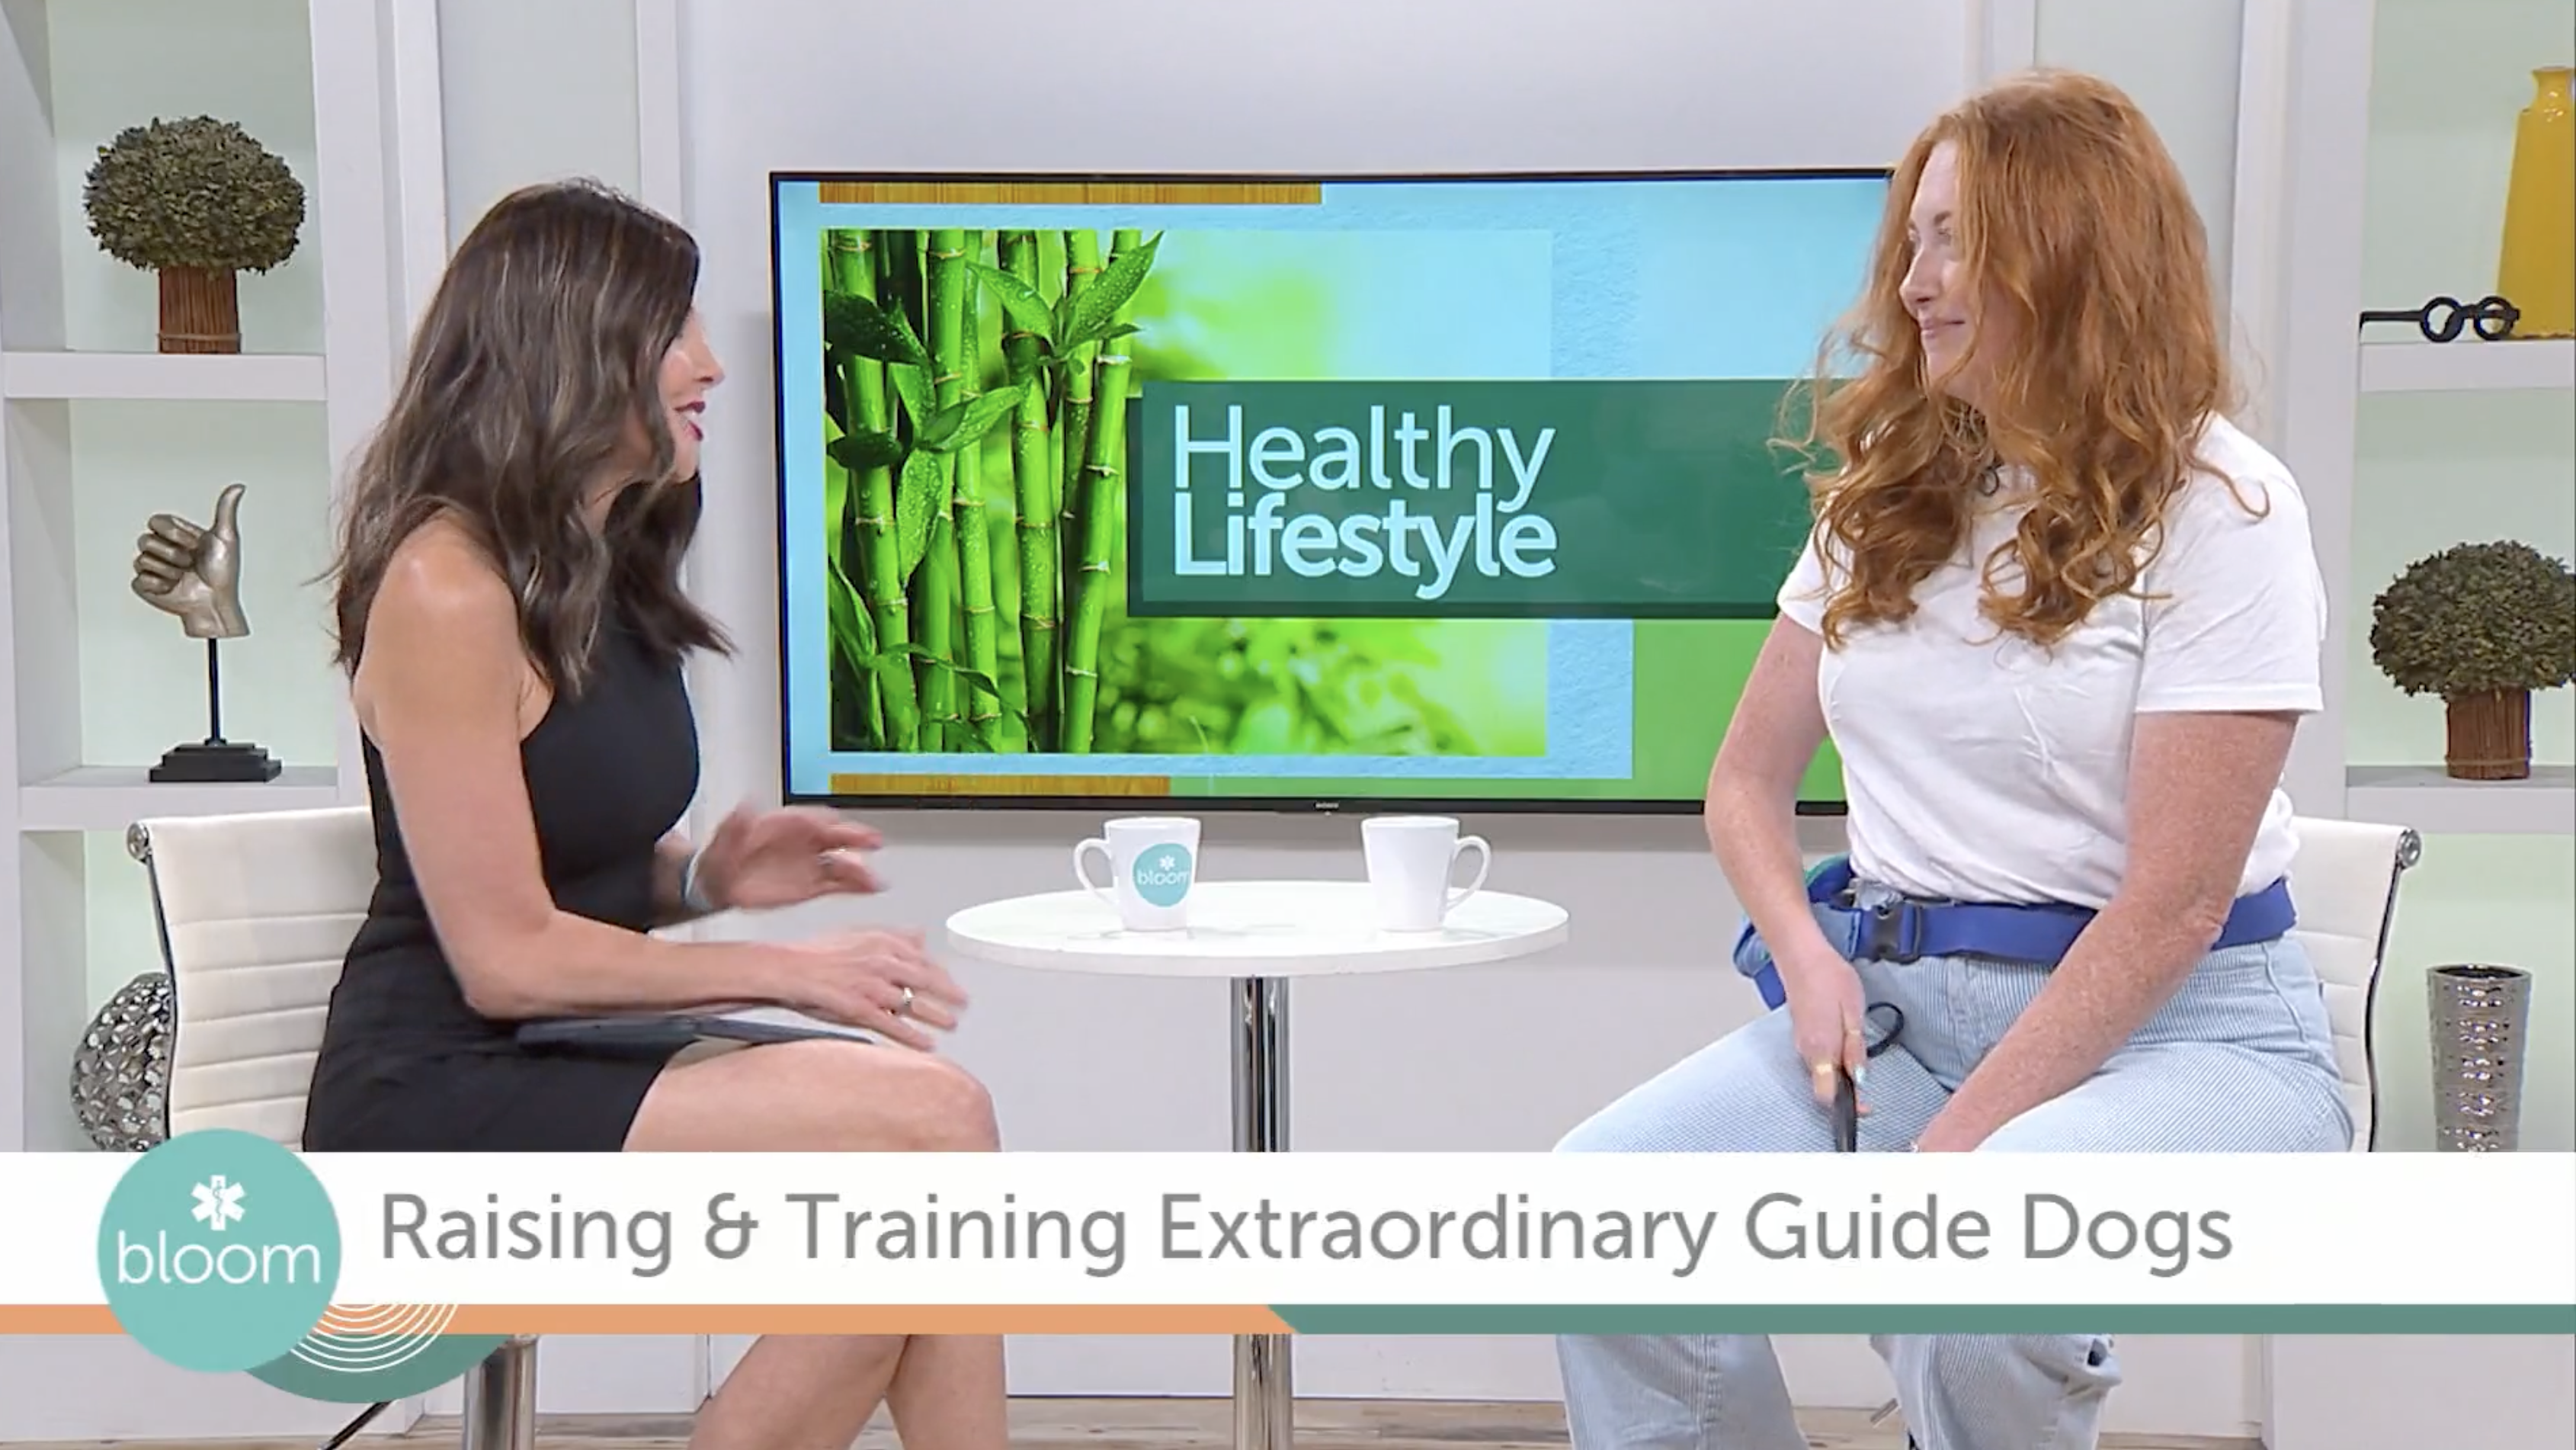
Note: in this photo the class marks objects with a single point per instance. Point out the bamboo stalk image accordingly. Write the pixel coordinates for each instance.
(1036, 493)
(944, 284)
(872, 505)
(974, 536)
(841, 249)
(1103, 471)
(1081, 265)
(934, 599)
(919, 592)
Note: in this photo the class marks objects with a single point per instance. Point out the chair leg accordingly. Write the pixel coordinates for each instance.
(501, 1399)
(350, 1430)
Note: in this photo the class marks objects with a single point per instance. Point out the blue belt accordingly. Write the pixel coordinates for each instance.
(1902, 931)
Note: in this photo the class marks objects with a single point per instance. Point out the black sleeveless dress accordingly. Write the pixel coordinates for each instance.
(406, 1066)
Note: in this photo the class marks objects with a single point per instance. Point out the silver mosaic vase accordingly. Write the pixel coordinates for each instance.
(121, 1074)
(2480, 1016)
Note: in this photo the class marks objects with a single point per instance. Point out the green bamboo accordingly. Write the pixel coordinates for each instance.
(1104, 466)
(872, 501)
(974, 536)
(944, 280)
(1034, 495)
(934, 600)
(1073, 430)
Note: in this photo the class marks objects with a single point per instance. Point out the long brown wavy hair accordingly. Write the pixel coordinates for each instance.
(2076, 222)
(528, 376)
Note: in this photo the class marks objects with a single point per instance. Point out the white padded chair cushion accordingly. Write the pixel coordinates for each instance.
(2344, 881)
(257, 913)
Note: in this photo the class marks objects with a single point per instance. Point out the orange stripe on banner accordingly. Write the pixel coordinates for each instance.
(58, 1319)
(1002, 785)
(766, 1319)
(1073, 193)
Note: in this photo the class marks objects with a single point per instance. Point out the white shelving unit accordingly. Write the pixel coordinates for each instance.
(2530, 364)
(2382, 188)
(101, 431)
(98, 431)
(2433, 803)
(161, 378)
(2375, 140)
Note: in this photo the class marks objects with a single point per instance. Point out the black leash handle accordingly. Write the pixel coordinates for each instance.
(1846, 1112)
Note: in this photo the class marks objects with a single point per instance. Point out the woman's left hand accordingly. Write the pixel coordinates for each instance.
(759, 860)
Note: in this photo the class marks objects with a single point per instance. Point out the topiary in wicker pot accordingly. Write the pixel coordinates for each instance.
(198, 202)
(2482, 626)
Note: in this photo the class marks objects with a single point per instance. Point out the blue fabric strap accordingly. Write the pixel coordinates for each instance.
(1904, 931)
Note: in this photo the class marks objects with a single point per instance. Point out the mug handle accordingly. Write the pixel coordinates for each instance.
(1083, 879)
(1484, 863)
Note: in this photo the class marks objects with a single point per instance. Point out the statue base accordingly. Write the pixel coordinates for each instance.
(216, 762)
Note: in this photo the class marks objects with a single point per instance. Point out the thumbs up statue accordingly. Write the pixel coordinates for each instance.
(195, 573)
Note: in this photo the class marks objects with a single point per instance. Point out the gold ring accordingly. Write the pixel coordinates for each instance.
(1823, 1069)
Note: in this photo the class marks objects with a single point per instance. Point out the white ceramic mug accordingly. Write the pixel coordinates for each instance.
(1153, 863)
(1410, 859)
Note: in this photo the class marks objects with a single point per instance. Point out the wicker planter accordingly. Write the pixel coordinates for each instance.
(2489, 736)
(200, 310)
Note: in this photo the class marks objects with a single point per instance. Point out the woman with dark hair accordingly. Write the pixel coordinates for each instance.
(508, 606)
(2060, 618)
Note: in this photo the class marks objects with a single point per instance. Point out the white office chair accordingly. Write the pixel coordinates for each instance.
(2345, 882)
(256, 912)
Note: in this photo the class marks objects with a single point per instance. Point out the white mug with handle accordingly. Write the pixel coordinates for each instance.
(1410, 860)
(1153, 862)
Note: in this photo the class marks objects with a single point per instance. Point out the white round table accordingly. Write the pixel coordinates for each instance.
(1256, 935)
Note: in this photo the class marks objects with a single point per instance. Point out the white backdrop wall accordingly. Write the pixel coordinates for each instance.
(1507, 1057)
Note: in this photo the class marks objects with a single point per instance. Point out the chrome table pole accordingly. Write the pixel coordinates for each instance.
(1264, 1393)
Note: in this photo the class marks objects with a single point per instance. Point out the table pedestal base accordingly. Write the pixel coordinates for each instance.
(1264, 1381)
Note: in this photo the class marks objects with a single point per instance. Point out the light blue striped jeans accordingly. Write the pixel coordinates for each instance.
(2240, 1059)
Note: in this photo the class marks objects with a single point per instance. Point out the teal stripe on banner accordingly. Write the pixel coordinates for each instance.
(1929, 1318)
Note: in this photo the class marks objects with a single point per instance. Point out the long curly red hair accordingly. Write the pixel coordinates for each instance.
(2074, 219)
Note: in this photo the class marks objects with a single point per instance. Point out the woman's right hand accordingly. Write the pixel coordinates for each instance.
(1827, 1018)
(877, 981)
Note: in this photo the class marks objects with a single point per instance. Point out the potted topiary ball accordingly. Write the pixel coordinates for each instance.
(197, 202)
(2482, 626)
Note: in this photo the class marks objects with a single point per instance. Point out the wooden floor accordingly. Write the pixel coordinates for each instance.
(1163, 1424)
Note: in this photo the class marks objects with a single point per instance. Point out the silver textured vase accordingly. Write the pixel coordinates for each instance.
(2479, 1016)
(121, 1074)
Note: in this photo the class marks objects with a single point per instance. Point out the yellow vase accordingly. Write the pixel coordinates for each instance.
(2537, 269)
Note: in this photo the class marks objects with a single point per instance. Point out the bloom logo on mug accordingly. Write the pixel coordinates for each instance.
(1163, 874)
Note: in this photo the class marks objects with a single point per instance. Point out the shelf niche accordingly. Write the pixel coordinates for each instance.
(75, 73)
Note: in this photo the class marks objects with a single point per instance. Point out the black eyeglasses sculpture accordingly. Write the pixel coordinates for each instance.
(2444, 318)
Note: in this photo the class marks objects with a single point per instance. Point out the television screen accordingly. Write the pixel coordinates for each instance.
(1394, 492)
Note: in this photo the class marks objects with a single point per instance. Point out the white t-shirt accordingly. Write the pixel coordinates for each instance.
(1981, 767)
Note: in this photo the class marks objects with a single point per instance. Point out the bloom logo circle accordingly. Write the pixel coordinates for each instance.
(218, 1250)
(1163, 874)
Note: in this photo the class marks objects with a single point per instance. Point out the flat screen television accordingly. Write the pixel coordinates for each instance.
(1291, 493)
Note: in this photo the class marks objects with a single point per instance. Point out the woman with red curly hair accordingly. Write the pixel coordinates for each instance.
(2060, 617)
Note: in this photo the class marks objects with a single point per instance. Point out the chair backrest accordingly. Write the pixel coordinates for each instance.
(256, 914)
(2345, 881)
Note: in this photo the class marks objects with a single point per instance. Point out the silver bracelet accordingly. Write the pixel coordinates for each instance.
(693, 896)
